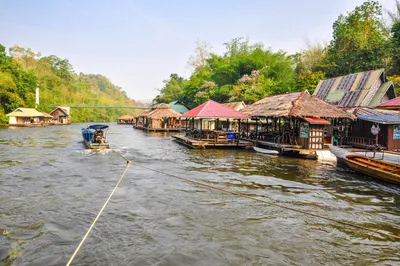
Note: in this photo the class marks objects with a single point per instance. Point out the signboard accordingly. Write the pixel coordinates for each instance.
(304, 127)
(396, 131)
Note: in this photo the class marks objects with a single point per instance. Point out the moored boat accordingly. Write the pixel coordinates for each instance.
(95, 137)
(386, 171)
(266, 151)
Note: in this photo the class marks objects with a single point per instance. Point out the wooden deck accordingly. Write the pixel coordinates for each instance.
(291, 150)
(204, 144)
(158, 129)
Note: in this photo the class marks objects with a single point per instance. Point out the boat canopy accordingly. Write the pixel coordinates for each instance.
(97, 127)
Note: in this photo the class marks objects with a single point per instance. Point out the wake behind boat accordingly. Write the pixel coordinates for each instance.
(95, 137)
(266, 151)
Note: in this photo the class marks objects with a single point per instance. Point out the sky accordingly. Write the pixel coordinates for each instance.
(138, 44)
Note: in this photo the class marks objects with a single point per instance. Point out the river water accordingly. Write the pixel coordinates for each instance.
(51, 189)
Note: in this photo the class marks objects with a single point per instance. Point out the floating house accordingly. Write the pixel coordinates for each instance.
(374, 127)
(61, 115)
(126, 119)
(26, 117)
(209, 126)
(358, 93)
(294, 123)
(364, 89)
(161, 117)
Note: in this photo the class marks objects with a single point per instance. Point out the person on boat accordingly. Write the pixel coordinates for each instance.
(98, 136)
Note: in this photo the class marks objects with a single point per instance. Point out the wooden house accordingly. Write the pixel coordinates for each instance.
(26, 117)
(364, 89)
(358, 93)
(61, 115)
(161, 117)
(374, 127)
(125, 119)
(293, 121)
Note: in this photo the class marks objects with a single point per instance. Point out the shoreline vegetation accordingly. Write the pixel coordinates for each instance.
(362, 40)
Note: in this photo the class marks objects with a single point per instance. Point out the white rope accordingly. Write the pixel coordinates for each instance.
(128, 163)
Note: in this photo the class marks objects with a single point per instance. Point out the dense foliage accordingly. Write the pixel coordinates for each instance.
(22, 71)
(360, 42)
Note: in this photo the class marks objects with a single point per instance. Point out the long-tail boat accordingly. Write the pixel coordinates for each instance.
(95, 137)
(375, 168)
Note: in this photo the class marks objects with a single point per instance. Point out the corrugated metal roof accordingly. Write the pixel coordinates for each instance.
(379, 116)
(391, 103)
(178, 107)
(354, 89)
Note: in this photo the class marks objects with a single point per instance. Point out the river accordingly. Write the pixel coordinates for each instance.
(51, 189)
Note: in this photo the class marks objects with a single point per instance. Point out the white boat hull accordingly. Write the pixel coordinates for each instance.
(266, 151)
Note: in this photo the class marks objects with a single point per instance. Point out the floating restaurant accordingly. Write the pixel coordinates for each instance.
(294, 124)
(212, 125)
(160, 118)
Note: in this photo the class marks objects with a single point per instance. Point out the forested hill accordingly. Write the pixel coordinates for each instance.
(22, 71)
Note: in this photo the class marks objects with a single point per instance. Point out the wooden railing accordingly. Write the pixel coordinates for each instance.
(358, 141)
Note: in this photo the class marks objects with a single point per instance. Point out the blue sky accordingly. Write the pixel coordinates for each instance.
(137, 44)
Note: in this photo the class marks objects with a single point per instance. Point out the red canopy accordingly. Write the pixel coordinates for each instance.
(317, 121)
(213, 109)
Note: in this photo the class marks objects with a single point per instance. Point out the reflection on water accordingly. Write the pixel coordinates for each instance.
(52, 189)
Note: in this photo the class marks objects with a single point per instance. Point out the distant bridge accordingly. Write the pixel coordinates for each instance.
(102, 106)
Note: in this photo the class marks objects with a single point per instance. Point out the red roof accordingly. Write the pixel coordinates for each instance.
(317, 121)
(391, 103)
(213, 109)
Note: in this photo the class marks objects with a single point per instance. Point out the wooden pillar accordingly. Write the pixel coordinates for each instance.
(256, 127)
(248, 126)
(201, 126)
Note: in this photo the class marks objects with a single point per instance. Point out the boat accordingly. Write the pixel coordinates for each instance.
(95, 137)
(266, 151)
(383, 170)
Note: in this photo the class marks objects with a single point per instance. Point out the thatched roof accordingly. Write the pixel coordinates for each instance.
(159, 111)
(163, 112)
(161, 106)
(26, 112)
(297, 104)
(144, 112)
(125, 117)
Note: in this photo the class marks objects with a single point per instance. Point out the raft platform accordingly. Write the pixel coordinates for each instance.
(157, 129)
(296, 151)
(203, 144)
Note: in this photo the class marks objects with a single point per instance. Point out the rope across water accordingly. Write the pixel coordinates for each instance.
(128, 163)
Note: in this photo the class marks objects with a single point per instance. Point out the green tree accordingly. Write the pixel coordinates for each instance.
(360, 41)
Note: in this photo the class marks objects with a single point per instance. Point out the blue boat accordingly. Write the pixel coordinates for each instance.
(95, 137)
